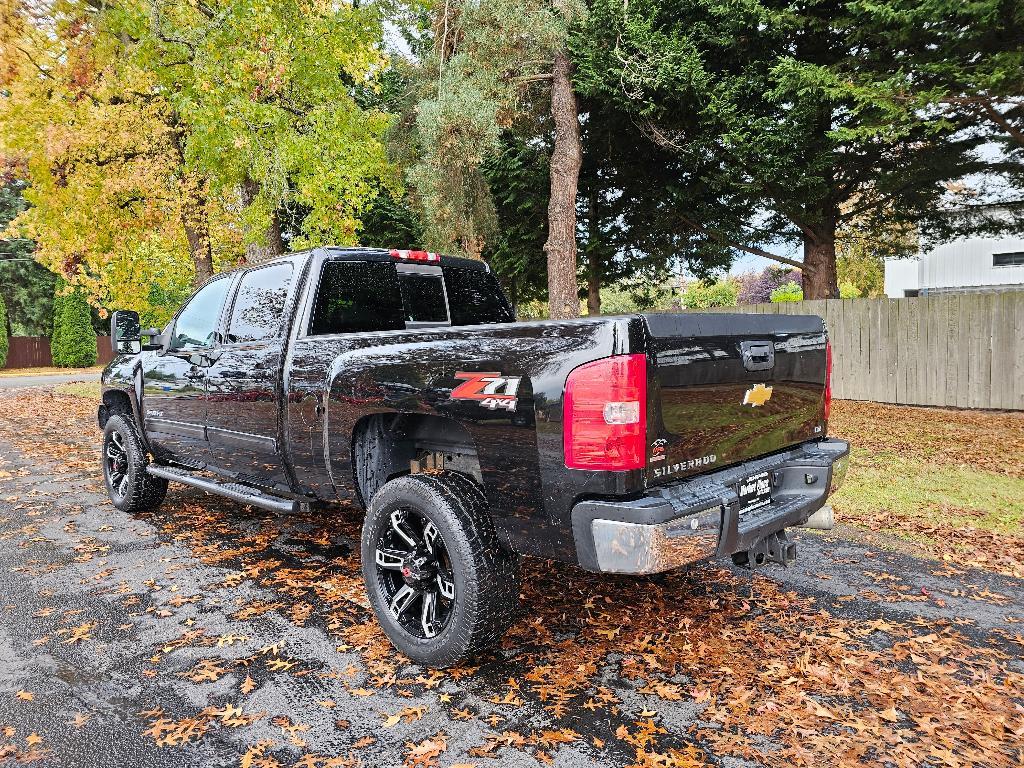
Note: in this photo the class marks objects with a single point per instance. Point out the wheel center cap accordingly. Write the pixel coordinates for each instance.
(418, 569)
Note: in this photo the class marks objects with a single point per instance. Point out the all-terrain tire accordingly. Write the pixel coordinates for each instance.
(129, 486)
(485, 574)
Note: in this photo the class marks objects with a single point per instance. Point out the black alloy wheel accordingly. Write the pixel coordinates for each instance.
(414, 571)
(124, 462)
(439, 582)
(115, 455)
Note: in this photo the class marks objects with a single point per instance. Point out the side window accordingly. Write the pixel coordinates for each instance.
(423, 298)
(475, 297)
(357, 296)
(196, 323)
(259, 303)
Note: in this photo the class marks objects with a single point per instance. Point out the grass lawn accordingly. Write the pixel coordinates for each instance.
(951, 482)
(87, 389)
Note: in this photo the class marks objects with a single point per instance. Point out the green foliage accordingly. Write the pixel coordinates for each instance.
(788, 292)
(861, 255)
(268, 94)
(761, 99)
(3, 333)
(625, 298)
(632, 195)
(390, 223)
(702, 295)
(168, 119)
(482, 77)
(25, 286)
(73, 342)
(849, 291)
(517, 175)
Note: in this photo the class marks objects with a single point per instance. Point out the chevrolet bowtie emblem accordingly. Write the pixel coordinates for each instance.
(757, 395)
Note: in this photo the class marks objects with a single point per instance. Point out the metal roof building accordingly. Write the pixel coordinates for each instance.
(962, 266)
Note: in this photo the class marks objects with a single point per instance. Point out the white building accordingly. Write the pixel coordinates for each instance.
(963, 266)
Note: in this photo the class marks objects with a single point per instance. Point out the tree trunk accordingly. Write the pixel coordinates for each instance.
(593, 291)
(195, 218)
(593, 254)
(566, 156)
(272, 243)
(196, 222)
(820, 280)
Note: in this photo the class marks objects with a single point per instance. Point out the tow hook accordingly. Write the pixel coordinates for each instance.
(775, 548)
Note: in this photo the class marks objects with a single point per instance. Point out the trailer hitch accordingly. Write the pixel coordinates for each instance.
(774, 548)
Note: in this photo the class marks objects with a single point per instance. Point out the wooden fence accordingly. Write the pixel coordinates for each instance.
(34, 352)
(963, 351)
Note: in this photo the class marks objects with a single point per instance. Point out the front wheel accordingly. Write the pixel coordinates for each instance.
(129, 486)
(438, 581)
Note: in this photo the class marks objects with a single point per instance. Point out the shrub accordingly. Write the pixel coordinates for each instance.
(757, 287)
(698, 295)
(73, 343)
(848, 291)
(3, 333)
(788, 292)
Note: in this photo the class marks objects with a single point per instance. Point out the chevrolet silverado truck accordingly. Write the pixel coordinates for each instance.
(400, 380)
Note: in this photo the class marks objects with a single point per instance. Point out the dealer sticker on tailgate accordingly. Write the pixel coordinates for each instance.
(755, 492)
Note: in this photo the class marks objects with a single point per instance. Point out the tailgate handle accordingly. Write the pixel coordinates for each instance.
(757, 355)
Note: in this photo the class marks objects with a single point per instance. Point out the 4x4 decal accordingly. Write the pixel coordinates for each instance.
(491, 388)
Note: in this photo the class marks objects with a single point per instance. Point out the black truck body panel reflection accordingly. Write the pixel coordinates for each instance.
(323, 375)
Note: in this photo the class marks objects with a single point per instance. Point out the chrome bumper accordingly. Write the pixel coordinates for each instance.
(699, 518)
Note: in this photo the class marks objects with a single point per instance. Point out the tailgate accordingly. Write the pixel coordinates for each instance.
(726, 388)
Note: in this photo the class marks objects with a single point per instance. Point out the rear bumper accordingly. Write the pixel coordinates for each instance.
(699, 518)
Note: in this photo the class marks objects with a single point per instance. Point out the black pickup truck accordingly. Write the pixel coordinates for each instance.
(400, 380)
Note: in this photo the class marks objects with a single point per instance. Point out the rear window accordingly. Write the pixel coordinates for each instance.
(475, 297)
(357, 296)
(423, 295)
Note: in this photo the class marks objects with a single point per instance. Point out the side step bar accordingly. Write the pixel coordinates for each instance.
(235, 491)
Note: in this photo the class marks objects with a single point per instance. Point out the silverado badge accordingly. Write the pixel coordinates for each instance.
(757, 395)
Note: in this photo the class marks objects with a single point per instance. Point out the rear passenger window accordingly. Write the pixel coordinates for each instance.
(475, 297)
(357, 296)
(259, 303)
(423, 297)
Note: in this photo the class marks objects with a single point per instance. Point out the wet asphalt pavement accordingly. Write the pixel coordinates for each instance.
(18, 382)
(207, 634)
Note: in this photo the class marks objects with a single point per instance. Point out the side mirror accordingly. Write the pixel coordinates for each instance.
(126, 332)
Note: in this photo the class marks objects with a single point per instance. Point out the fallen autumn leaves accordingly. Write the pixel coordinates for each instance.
(678, 670)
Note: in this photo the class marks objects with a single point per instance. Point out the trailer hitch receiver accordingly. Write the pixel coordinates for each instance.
(774, 548)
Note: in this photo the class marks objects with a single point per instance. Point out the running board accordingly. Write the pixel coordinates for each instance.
(235, 491)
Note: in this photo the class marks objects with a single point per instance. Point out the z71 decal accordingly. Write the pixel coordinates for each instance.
(491, 389)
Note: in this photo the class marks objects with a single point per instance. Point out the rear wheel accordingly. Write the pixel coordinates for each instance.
(440, 584)
(124, 468)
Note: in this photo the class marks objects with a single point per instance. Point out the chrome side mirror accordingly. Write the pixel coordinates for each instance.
(126, 332)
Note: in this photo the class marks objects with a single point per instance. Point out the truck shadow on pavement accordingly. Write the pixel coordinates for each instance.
(211, 634)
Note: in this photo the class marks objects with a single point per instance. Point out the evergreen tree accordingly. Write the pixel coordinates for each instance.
(73, 343)
(26, 287)
(764, 96)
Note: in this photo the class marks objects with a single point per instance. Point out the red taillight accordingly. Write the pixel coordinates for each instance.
(828, 379)
(604, 414)
(414, 255)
